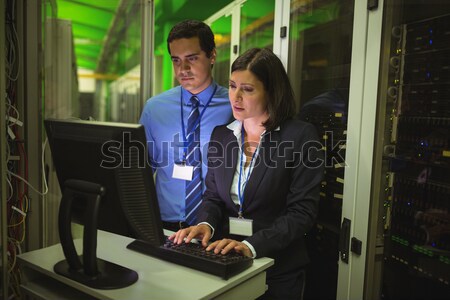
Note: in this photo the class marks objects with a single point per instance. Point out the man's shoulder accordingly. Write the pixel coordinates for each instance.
(170, 95)
(221, 93)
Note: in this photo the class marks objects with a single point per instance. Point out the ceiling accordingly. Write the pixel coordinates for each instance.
(100, 27)
(107, 33)
(91, 21)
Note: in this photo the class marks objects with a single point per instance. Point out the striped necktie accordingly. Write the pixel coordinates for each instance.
(193, 158)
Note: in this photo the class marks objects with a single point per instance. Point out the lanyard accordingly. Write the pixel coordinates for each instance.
(185, 134)
(240, 194)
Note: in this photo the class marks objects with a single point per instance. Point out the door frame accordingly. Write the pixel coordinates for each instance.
(363, 95)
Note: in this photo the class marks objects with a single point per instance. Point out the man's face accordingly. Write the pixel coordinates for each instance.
(192, 67)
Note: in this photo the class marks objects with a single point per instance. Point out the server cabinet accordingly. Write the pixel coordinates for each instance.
(411, 237)
(320, 49)
(373, 76)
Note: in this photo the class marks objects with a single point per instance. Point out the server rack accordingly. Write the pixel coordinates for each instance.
(414, 197)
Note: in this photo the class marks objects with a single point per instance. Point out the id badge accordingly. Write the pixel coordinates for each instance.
(182, 171)
(240, 226)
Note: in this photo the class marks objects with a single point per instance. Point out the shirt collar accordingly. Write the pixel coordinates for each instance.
(203, 96)
(236, 127)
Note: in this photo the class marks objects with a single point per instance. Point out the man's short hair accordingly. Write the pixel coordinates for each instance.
(193, 28)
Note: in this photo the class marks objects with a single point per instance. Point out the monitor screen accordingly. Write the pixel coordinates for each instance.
(114, 158)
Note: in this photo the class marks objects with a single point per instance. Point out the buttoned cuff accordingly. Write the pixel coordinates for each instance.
(250, 247)
(212, 228)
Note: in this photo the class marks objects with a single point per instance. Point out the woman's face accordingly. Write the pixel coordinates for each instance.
(247, 97)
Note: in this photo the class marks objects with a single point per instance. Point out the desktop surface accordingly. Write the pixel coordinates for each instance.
(158, 279)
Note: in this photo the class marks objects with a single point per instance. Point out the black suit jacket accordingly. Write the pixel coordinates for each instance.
(281, 196)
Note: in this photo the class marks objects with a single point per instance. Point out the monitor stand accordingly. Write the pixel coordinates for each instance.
(87, 269)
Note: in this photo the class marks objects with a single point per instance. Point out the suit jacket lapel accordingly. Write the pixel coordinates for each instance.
(269, 145)
(231, 152)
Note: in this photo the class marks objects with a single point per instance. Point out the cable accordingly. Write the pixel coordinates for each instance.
(13, 42)
(11, 189)
(17, 201)
(29, 184)
(10, 106)
(43, 174)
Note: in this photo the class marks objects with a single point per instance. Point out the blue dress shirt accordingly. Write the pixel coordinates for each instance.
(161, 118)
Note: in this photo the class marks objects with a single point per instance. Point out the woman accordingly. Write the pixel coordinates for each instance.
(264, 171)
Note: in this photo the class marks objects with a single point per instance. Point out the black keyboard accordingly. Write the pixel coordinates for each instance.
(195, 256)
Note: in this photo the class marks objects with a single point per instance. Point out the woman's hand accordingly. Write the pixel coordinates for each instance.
(226, 245)
(201, 231)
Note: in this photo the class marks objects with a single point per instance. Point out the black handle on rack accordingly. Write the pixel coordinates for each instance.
(344, 240)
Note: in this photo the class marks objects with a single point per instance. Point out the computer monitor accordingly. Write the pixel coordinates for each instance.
(106, 183)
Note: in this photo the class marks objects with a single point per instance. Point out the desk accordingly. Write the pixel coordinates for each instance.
(157, 279)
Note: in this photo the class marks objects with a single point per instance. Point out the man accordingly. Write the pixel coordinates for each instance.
(178, 126)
